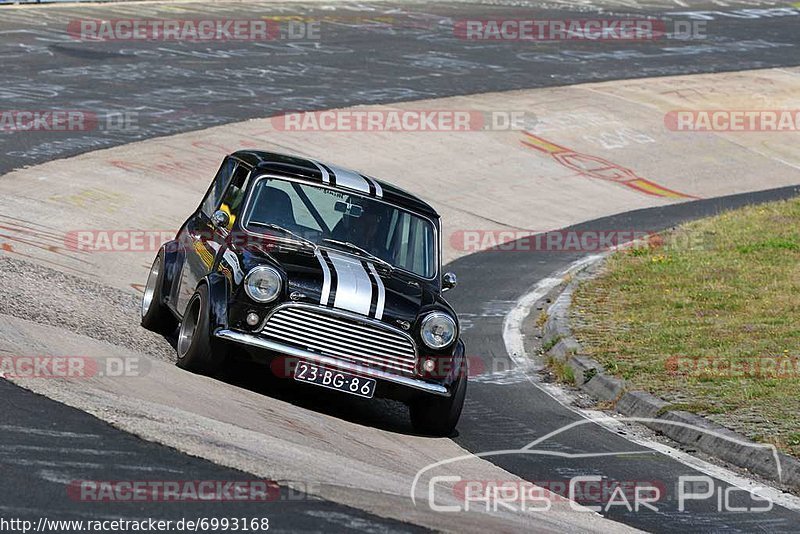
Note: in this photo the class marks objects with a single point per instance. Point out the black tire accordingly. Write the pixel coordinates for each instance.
(196, 350)
(155, 315)
(438, 416)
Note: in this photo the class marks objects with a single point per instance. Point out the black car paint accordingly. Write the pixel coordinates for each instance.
(191, 260)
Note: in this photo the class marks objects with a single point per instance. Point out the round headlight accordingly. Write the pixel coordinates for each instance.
(263, 284)
(438, 330)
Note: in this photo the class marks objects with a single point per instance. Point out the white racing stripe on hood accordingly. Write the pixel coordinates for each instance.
(326, 279)
(381, 292)
(353, 287)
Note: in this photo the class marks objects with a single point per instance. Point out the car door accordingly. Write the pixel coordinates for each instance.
(221, 239)
(197, 235)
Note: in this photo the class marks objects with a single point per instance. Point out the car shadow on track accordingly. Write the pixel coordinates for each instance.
(383, 414)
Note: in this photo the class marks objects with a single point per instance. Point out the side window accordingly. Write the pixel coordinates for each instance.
(410, 240)
(232, 203)
(221, 181)
(422, 244)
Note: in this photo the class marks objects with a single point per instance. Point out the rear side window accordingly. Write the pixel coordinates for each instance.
(218, 187)
(232, 203)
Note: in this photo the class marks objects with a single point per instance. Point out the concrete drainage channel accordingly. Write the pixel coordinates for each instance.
(559, 343)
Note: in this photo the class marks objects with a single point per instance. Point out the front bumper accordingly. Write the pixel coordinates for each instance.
(266, 344)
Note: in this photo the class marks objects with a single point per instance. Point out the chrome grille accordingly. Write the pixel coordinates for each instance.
(340, 336)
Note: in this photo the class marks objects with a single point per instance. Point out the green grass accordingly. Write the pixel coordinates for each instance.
(552, 342)
(708, 317)
(562, 371)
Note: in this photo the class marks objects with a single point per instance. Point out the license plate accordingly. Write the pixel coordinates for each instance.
(314, 374)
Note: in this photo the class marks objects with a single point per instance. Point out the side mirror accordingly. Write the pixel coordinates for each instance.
(221, 219)
(449, 281)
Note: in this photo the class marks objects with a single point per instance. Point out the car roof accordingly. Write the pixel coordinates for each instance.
(335, 176)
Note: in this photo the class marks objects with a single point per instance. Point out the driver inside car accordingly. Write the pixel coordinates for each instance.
(363, 230)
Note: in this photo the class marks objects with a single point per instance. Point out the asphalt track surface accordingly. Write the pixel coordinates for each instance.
(183, 87)
(511, 413)
(366, 53)
(39, 436)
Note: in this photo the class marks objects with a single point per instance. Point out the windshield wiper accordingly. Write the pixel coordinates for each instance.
(300, 239)
(372, 257)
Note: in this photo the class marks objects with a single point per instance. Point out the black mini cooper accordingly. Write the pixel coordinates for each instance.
(330, 276)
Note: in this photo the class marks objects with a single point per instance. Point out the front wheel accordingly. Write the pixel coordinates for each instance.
(196, 351)
(155, 315)
(438, 416)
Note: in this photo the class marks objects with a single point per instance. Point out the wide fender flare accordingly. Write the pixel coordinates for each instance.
(172, 258)
(218, 292)
(460, 363)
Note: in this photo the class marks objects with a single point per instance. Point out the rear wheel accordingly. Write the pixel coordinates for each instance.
(438, 416)
(155, 315)
(196, 350)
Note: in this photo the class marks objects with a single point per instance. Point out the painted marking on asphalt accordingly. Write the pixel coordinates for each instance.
(64, 450)
(48, 433)
(56, 477)
(600, 168)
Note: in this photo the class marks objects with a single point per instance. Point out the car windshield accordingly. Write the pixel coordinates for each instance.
(344, 221)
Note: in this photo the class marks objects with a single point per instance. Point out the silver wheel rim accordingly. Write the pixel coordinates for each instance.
(150, 288)
(189, 326)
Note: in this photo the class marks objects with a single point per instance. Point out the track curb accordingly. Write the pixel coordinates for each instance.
(689, 429)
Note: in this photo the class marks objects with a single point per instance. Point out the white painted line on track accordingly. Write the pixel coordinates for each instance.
(512, 324)
(46, 433)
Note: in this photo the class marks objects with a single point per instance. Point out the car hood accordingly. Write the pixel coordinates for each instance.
(347, 282)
